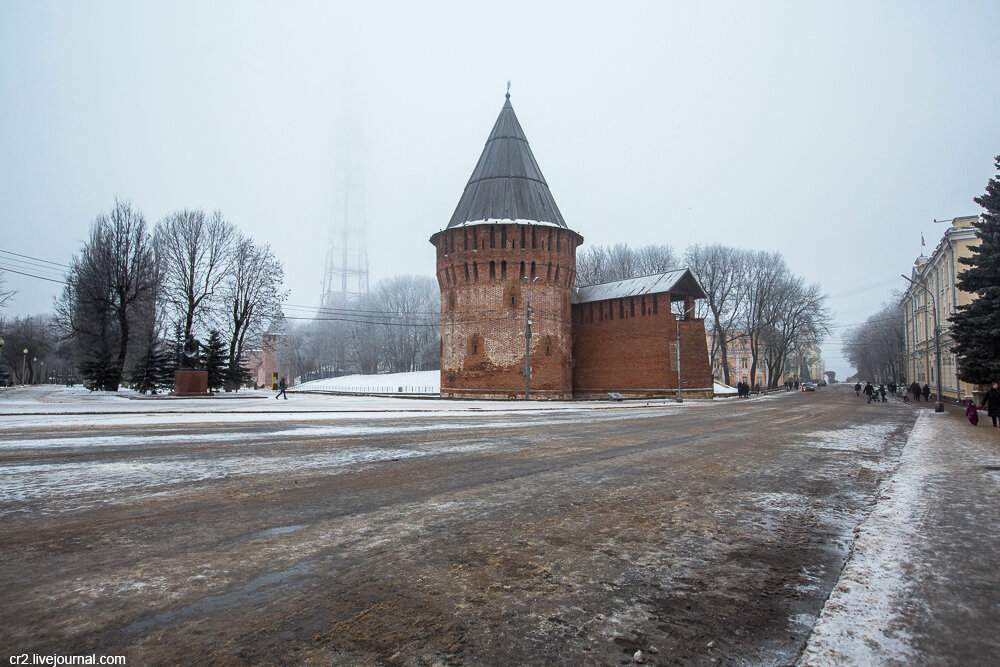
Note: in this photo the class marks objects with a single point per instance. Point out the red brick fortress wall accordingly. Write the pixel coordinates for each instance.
(625, 346)
(483, 271)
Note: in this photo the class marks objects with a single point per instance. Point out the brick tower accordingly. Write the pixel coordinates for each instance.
(506, 244)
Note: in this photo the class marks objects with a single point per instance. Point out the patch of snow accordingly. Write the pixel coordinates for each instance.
(420, 382)
(861, 622)
(508, 221)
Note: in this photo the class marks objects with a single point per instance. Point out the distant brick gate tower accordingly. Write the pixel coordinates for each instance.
(505, 238)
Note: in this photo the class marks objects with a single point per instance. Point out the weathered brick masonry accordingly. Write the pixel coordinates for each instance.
(484, 272)
(507, 240)
(625, 345)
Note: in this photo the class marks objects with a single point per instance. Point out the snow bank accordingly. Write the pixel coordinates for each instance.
(420, 382)
(862, 622)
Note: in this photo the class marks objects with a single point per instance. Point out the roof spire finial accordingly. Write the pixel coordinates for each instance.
(508, 89)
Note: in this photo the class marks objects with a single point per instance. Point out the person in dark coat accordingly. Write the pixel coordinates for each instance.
(881, 391)
(972, 413)
(926, 391)
(991, 401)
(282, 386)
(857, 388)
(869, 391)
(915, 390)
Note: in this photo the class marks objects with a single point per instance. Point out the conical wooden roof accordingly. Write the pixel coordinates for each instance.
(507, 184)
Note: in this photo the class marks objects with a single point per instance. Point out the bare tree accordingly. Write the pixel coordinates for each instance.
(409, 308)
(111, 288)
(5, 295)
(37, 334)
(196, 256)
(366, 338)
(601, 264)
(876, 347)
(251, 295)
(798, 319)
(717, 268)
(761, 278)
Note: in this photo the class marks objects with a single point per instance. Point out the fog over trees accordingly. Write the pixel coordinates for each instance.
(876, 347)
(394, 329)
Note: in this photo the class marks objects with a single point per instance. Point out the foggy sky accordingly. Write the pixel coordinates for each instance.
(831, 132)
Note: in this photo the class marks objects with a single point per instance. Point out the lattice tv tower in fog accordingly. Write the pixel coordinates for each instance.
(345, 277)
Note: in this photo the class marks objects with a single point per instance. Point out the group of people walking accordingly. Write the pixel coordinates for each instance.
(879, 394)
(991, 399)
(743, 389)
(873, 394)
(919, 391)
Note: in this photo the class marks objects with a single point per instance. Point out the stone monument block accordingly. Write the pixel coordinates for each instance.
(190, 383)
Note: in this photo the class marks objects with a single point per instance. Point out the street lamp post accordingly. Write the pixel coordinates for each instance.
(677, 326)
(34, 360)
(1, 360)
(939, 404)
(527, 339)
(24, 364)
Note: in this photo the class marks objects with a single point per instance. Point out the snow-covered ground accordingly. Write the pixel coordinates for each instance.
(420, 382)
(873, 614)
(53, 405)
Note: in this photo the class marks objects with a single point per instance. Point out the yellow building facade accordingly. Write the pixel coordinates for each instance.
(938, 273)
(806, 364)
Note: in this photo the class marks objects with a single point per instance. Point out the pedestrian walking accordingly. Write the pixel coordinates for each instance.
(972, 413)
(282, 386)
(881, 391)
(915, 390)
(991, 401)
(869, 391)
(926, 391)
(857, 388)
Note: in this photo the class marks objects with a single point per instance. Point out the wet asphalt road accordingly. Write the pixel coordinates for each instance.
(703, 535)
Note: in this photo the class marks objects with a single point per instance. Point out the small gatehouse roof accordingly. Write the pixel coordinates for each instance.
(680, 282)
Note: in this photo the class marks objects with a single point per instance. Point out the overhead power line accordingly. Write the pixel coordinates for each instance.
(36, 259)
(31, 275)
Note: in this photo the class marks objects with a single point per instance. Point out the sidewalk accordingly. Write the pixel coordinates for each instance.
(922, 584)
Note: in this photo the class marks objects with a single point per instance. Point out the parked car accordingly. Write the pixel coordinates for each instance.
(808, 386)
(821, 383)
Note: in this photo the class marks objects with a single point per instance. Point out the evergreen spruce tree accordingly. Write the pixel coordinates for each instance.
(975, 328)
(169, 359)
(145, 375)
(216, 358)
(236, 377)
(99, 371)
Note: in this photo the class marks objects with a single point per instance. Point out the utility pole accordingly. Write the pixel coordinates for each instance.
(677, 324)
(527, 340)
(939, 404)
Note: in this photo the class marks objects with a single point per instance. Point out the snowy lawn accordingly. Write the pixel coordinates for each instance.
(53, 405)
